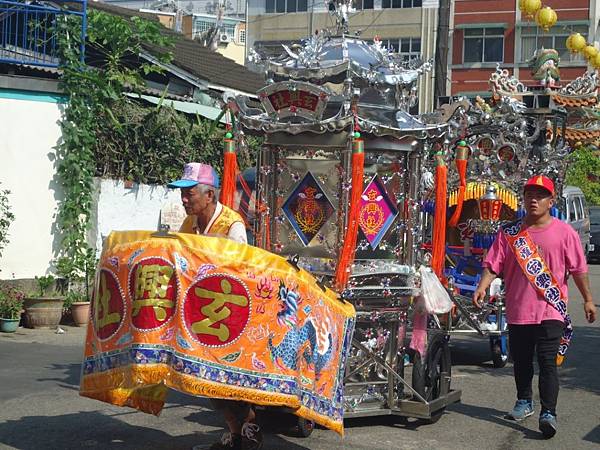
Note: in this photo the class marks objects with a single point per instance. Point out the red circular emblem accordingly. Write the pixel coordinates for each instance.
(216, 309)
(153, 293)
(108, 305)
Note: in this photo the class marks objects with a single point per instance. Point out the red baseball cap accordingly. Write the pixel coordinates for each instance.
(541, 181)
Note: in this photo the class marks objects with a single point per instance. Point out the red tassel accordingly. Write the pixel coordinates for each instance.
(438, 252)
(346, 258)
(462, 155)
(230, 170)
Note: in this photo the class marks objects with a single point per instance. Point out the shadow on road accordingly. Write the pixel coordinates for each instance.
(578, 372)
(593, 436)
(98, 431)
(494, 416)
(68, 376)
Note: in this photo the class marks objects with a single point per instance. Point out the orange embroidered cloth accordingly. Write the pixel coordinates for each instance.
(211, 317)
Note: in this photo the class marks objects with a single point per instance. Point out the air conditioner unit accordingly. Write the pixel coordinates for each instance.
(224, 38)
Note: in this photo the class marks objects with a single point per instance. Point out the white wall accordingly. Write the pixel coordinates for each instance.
(28, 132)
(135, 208)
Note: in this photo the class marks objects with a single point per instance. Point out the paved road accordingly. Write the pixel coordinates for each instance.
(40, 408)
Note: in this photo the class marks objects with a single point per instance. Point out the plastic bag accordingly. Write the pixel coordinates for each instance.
(435, 296)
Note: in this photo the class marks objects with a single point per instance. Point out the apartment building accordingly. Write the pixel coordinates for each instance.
(484, 33)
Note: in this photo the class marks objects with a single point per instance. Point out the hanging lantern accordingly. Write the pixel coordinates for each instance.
(529, 7)
(490, 205)
(546, 18)
(575, 43)
(590, 52)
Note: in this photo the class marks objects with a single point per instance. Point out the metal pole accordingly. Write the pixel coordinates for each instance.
(441, 54)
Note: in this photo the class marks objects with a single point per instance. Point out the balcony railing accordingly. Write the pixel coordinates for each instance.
(28, 31)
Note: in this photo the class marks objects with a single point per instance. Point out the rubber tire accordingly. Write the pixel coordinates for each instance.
(304, 427)
(497, 360)
(438, 355)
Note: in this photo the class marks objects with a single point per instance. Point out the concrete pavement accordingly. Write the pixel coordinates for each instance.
(40, 407)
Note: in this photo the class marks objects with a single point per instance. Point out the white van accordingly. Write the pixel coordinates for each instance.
(576, 213)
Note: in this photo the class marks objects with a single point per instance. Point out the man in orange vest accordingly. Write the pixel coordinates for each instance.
(206, 215)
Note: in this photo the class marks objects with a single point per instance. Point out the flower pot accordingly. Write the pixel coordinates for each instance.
(81, 313)
(9, 325)
(43, 312)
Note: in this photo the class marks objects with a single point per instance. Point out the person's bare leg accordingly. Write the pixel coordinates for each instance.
(232, 421)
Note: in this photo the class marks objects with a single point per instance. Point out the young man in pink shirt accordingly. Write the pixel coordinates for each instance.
(534, 324)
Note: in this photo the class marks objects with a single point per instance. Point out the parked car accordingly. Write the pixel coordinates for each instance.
(576, 213)
(594, 249)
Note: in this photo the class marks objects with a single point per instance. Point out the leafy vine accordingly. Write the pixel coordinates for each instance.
(108, 134)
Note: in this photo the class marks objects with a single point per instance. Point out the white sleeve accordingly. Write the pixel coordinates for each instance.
(237, 232)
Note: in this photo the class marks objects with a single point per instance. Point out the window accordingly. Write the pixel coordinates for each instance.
(572, 213)
(401, 3)
(364, 4)
(579, 208)
(408, 48)
(200, 26)
(229, 30)
(283, 6)
(483, 45)
(533, 38)
(242, 36)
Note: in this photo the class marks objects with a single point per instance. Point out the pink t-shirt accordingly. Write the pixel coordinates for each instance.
(560, 247)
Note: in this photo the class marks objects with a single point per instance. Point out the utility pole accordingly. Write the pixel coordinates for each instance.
(441, 51)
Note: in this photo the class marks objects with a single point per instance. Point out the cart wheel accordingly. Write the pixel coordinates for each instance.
(304, 427)
(499, 358)
(427, 374)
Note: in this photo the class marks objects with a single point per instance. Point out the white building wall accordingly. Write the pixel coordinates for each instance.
(136, 208)
(29, 130)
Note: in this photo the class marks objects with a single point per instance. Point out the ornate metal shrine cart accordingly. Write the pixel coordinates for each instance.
(498, 145)
(338, 191)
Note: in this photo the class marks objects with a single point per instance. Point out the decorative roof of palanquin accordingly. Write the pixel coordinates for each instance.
(582, 91)
(574, 101)
(585, 136)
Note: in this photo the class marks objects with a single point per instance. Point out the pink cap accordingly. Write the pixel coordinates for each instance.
(196, 173)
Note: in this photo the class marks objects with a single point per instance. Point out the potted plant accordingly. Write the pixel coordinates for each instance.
(78, 285)
(43, 309)
(11, 306)
(79, 305)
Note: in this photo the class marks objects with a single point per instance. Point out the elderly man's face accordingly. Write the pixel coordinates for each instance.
(195, 199)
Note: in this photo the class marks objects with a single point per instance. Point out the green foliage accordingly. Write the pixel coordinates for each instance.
(93, 94)
(6, 218)
(75, 296)
(584, 172)
(43, 284)
(107, 134)
(11, 302)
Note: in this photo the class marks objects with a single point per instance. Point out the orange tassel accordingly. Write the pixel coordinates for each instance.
(342, 273)
(230, 170)
(462, 154)
(438, 251)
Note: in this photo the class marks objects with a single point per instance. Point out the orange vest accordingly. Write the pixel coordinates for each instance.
(220, 226)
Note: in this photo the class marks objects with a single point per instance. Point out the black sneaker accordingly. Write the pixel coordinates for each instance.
(252, 438)
(228, 442)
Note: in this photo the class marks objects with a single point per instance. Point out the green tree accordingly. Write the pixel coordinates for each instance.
(584, 172)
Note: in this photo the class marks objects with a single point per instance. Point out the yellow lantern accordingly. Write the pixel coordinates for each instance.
(576, 42)
(529, 7)
(546, 18)
(590, 52)
(596, 61)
